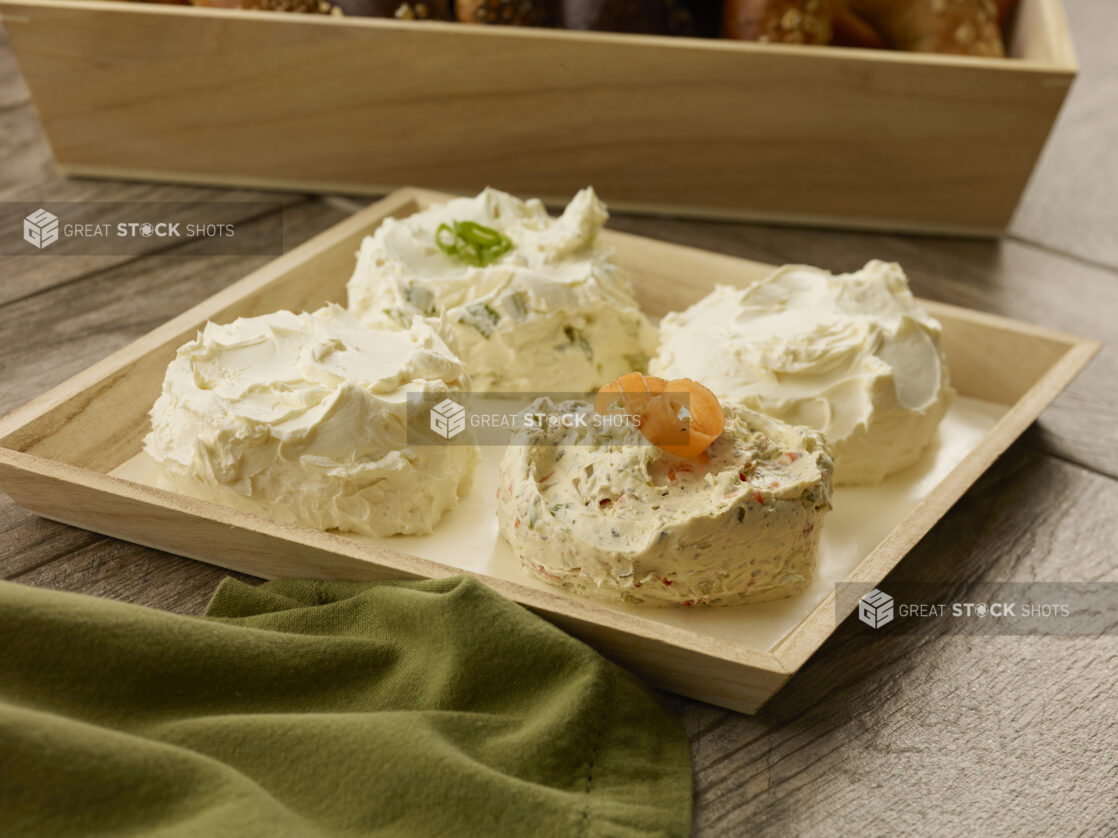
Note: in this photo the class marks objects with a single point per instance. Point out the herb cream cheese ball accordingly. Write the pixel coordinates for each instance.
(853, 355)
(599, 511)
(302, 417)
(529, 302)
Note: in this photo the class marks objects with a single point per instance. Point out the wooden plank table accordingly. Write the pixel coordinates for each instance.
(922, 733)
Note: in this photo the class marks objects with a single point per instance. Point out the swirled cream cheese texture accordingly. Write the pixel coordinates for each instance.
(603, 513)
(553, 314)
(302, 417)
(853, 355)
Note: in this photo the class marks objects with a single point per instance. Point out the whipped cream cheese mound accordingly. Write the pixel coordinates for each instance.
(852, 355)
(553, 313)
(302, 417)
(599, 511)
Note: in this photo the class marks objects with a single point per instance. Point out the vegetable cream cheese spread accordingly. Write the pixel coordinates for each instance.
(302, 417)
(550, 312)
(852, 355)
(598, 510)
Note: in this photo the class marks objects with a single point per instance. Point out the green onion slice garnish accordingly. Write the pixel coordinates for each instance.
(471, 242)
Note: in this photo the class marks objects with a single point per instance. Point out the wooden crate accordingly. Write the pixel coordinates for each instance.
(57, 451)
(829, 136)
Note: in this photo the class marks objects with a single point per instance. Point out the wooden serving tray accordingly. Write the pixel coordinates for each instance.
(316, 103)
(57, 452)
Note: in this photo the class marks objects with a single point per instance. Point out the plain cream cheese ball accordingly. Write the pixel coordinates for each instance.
(852, 355)
(554, 313)
(302, 417)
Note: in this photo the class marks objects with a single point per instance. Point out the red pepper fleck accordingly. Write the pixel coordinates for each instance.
(757, 497)
(546, 477)
(688, 602)
(516, 523)
(667, 581)
(674, 469)
(604, 502)
(808, 528)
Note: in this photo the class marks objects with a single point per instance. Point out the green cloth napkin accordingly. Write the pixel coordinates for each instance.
(302, 708)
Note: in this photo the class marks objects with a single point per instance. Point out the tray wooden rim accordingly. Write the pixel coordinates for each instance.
(775, 665)
(1052, 12)
(837, 99)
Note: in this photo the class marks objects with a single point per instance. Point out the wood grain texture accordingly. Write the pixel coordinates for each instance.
(34, 274)
(13, 90)
(131, 573)
(33, 178)
(939, 736)
(867, 138)
(1070, 204)
(934, 734)
(109, 307)
(30, 542)
(30, 175)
